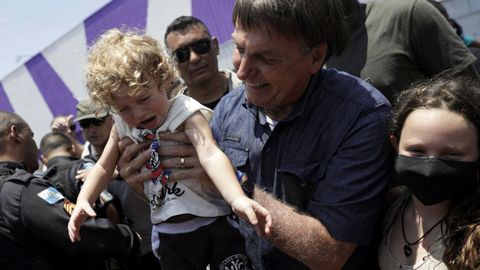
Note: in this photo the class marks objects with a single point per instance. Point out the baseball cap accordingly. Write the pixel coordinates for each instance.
(87, 109)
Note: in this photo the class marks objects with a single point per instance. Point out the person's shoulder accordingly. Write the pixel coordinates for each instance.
(182, 108)
(233, 81)
(352, 88)
(233, 98)
(192, 104)
(392, 10)
(393, 5)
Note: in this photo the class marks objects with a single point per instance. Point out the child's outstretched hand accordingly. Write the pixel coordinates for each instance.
(251, 211)
(79, 215)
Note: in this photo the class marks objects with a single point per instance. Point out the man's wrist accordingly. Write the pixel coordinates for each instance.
(248, 186)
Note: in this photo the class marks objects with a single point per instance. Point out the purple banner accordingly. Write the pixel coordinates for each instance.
(118, 13)
(4, 101)
(54, 91)
(217, 15)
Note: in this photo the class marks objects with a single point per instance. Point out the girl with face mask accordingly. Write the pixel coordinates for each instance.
(435, 223)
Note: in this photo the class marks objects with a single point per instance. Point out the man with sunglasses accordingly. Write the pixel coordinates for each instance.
(195, 51)
(96, 124)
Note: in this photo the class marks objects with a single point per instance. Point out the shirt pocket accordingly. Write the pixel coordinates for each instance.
(296, 183)
(237, 153)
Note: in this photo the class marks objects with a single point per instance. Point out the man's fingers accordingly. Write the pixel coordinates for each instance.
(196, 173)
(136, 182)
(69, 119)
(177, 150)
(178, 136)
(177, 162)
(131, 150)
(139, 161)
(139, 178)
(129, 167)
(123, 143)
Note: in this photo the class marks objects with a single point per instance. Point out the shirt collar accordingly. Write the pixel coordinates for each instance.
(10, 167)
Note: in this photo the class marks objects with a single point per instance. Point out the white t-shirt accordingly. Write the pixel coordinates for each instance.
(186, 196)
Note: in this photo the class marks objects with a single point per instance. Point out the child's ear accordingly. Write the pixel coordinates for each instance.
(394, 141)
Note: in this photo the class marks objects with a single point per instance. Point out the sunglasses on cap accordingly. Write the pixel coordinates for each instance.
(201, 46)
(86, 123)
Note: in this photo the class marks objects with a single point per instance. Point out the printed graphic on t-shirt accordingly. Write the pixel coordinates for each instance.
(235, 262)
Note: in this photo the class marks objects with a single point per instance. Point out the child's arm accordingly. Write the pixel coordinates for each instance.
(220, 170)
(96, 181)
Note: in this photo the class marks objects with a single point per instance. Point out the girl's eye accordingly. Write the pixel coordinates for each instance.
(452, 155)
(416, 152)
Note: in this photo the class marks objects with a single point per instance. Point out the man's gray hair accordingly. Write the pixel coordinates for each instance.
(309, 21)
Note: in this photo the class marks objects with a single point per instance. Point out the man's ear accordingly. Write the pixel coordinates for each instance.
(43, 159)
(215, 46)
(394, 141)
(14, 134)
(318, 57)
(73, 150)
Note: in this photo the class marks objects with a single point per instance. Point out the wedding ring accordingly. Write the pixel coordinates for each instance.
(182, 162)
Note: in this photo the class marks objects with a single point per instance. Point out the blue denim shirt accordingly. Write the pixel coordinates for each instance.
(330, 158)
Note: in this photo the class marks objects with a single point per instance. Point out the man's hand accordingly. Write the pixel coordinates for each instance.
(180, 156)
(82, 174)
(181, 159)
(130, 163)
(63, 124)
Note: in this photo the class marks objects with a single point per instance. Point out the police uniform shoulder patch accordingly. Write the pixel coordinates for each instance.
(68, 206)
(51, 195)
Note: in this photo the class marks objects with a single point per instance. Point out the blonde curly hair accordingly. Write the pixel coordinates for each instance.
(125, 58)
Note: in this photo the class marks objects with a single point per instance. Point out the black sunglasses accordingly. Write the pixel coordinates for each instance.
(86, 123)
(201, 46)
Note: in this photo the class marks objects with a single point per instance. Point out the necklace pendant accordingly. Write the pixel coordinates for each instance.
(407, 250)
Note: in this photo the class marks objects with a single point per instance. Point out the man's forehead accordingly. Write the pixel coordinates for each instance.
(181, 37)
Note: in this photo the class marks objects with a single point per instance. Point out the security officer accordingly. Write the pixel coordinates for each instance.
(34, 215)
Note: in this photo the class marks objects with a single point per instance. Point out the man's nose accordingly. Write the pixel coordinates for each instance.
(244, 68)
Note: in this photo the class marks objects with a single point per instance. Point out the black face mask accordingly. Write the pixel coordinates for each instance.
(434, 180)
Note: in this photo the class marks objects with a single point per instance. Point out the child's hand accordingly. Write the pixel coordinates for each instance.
(251, 211)
(79, 215)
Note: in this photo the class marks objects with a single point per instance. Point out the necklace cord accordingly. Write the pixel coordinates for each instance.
(424, 235)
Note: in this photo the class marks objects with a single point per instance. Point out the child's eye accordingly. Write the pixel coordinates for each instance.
(142, 99)
(123, 109)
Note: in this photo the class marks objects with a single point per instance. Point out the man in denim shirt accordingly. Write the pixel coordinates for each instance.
(313, 141)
